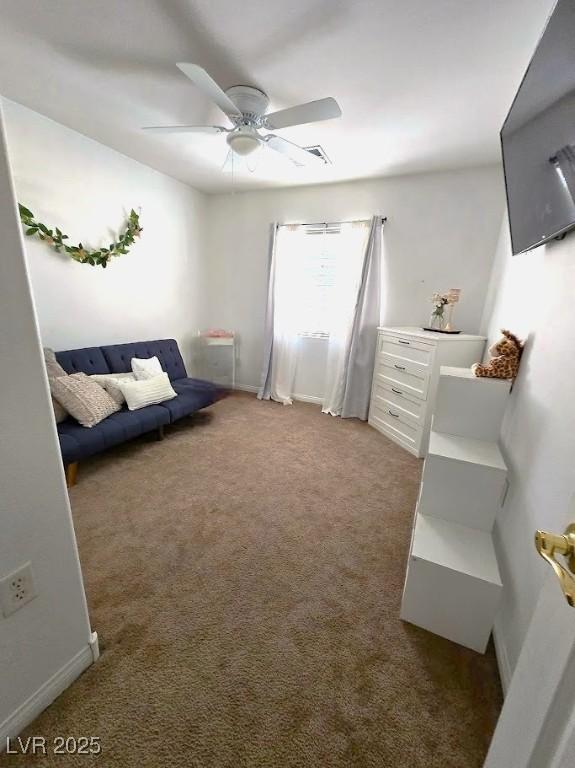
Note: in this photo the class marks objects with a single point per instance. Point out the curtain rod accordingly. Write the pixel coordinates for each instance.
(327, 223)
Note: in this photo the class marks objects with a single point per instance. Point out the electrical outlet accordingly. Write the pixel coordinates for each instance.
(17, 589)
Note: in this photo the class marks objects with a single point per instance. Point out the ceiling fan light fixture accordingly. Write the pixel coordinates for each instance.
(244, 140)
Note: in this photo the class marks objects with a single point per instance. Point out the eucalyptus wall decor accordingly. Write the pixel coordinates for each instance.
(96, 257)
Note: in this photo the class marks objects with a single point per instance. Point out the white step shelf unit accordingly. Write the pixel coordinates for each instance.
(406, 371)
(452, 586)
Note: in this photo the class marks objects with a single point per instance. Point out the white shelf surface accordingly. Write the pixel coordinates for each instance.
(467, 373)
(457, 547)
(466, 449)
(218, 341)
(429, 335)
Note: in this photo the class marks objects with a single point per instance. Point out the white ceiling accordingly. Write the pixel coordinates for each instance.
(423, 85)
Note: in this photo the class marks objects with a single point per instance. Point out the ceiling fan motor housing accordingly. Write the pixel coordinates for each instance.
(251, 102)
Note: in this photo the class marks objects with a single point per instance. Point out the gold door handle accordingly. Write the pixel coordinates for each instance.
(549, 545)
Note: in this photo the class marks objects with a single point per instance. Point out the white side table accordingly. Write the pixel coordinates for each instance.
(211, 342)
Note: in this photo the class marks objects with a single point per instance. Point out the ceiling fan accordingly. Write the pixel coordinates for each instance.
(246, 108)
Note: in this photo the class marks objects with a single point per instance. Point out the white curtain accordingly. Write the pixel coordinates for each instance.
(324, 279)
(361, 357)
(282, 318)
(347, 283)
(264, 391)
(565, 163)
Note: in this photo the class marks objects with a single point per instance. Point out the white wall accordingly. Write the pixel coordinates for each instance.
(441, 233)
(85, 189)
(533, 295)
(52, 632)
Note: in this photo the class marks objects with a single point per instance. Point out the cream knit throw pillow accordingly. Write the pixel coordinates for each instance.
(84, 399)
(54, 369)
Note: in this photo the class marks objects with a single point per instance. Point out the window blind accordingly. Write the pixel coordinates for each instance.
(314, 253)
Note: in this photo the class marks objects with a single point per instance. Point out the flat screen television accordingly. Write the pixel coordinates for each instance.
(538, 138)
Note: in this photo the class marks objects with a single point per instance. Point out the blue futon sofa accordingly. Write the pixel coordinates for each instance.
(77, 442)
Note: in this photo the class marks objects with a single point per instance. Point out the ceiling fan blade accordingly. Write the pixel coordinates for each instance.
(296, 154)
(200, 77)
(185, 129)
(312, 112)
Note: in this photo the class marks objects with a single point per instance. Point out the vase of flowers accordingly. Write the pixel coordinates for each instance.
(437, 319)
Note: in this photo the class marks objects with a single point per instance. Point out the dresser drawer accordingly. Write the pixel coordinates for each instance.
(397, 427)
(410, 349)
(409, 377)
(396, 401)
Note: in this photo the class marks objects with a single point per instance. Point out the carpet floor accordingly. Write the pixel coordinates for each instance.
(244, 577)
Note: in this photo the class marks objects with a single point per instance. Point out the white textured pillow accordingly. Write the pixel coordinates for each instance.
(110, 383)
(139, 394)
(146, 368)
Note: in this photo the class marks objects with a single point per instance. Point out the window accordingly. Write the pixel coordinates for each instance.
(318, 281)
(313, 264)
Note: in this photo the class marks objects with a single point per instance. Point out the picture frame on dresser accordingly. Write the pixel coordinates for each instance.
(405, 377)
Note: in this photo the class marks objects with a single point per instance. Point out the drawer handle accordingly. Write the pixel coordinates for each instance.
(399, 367)
(395, 415)
(404, 342)
(397, 391)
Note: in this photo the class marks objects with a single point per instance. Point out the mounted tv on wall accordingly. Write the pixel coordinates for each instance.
(538, 138)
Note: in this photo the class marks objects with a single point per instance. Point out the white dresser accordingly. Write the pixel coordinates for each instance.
(406, 371)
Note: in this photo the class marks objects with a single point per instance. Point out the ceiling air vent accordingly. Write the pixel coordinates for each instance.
(319, 152)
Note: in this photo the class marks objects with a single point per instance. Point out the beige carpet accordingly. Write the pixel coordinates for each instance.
(244, 577)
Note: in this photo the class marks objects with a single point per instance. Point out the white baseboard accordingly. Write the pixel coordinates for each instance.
(246, 387)
(309, 399)
(502, 658)
(46, 694)
(301, 398)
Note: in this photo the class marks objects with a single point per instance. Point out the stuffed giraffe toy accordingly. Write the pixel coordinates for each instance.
(505, 357)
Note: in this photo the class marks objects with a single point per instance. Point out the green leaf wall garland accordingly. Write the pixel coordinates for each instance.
(95, 257)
